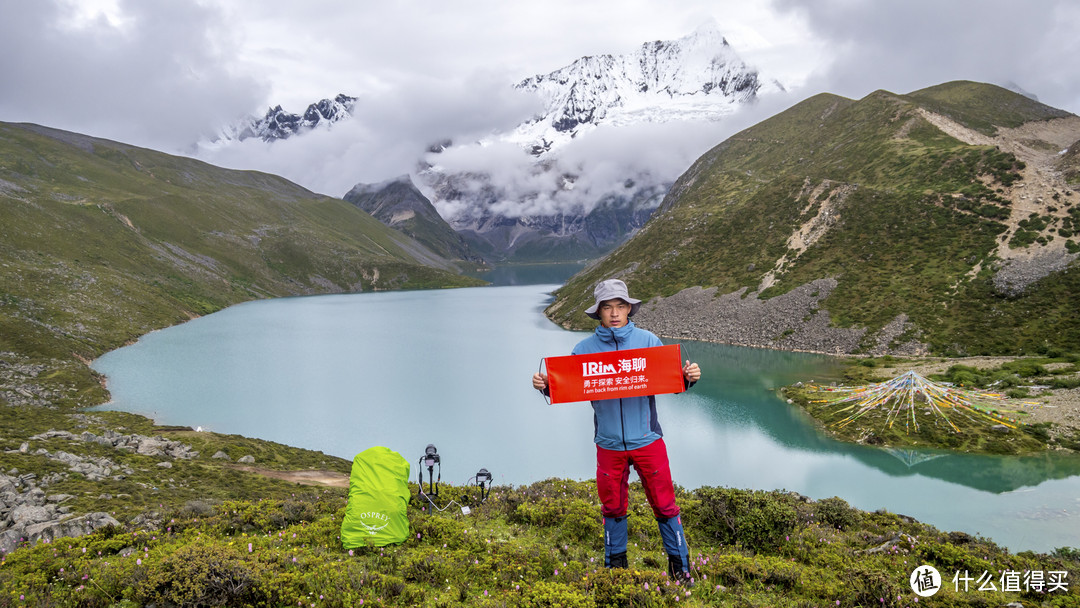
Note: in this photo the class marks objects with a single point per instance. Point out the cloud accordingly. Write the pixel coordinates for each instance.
(163, 74)
(151, 74)
(388, 133)
(862, 46)
(906, 46)
(502, 178)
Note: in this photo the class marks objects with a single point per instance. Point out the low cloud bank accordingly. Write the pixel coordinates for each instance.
(573, 179)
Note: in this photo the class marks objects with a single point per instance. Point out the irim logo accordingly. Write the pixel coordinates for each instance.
(595, 368)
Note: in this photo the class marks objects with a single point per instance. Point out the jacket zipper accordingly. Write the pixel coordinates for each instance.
(622, 419)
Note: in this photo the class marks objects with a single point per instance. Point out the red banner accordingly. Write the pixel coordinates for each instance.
(634, 372)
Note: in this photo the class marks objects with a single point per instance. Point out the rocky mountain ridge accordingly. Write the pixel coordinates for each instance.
(279, 124)
(944, 221)
(399, 204)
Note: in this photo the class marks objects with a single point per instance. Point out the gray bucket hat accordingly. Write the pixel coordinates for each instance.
(612, 289)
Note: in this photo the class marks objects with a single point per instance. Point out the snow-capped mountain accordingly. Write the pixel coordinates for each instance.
(279, 124)
(695, 77)
(534, 189)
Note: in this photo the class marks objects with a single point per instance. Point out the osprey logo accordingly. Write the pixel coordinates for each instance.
(374, 521)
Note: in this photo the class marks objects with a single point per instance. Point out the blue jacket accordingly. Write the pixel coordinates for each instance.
(628, 423)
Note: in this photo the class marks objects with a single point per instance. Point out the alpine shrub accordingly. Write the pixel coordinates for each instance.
(202, 575)
(837, 513)
(755, 519)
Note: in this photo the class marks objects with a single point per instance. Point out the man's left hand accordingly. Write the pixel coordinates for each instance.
(691, 372)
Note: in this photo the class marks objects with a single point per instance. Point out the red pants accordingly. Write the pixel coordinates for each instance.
(651, 464)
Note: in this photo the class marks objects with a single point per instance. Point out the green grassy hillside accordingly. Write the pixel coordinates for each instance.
(906, 217)
(400, 204)
(983, 108)
(101, 242)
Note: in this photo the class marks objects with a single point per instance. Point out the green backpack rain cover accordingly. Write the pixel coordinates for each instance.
(378, 497)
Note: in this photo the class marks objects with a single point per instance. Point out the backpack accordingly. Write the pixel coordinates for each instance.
(378, 498)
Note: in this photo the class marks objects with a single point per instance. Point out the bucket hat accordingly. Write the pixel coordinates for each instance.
(611, 289)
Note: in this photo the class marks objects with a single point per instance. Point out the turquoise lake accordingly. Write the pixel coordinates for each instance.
(342, 373)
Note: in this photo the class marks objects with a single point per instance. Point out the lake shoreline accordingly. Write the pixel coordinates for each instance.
(1055, 418)
(840, 489)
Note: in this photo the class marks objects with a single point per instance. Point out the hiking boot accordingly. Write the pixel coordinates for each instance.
(616, 561)
(678, 571)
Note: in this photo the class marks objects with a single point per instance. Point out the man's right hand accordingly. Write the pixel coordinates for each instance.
(540, 381)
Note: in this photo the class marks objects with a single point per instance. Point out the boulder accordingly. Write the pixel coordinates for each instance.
(72, 526)
(23, 515)
(151, 520)
(152, 447)
(9, 540)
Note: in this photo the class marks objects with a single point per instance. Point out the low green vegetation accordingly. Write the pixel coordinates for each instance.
(537, 545)
(984, 108)
(139, 483)
(1070, 166)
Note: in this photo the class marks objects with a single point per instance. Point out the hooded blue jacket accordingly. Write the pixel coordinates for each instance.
(628, 423)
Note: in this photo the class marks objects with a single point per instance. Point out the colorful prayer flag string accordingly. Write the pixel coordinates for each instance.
(900, 396)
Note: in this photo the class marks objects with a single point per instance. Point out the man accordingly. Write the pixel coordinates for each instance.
(628, 432)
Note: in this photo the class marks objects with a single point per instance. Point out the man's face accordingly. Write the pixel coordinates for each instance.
(613, 313)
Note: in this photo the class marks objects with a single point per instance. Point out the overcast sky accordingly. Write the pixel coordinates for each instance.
(164, 73)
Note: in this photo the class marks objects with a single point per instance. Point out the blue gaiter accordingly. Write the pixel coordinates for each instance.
(671, 532)
(614, 537)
